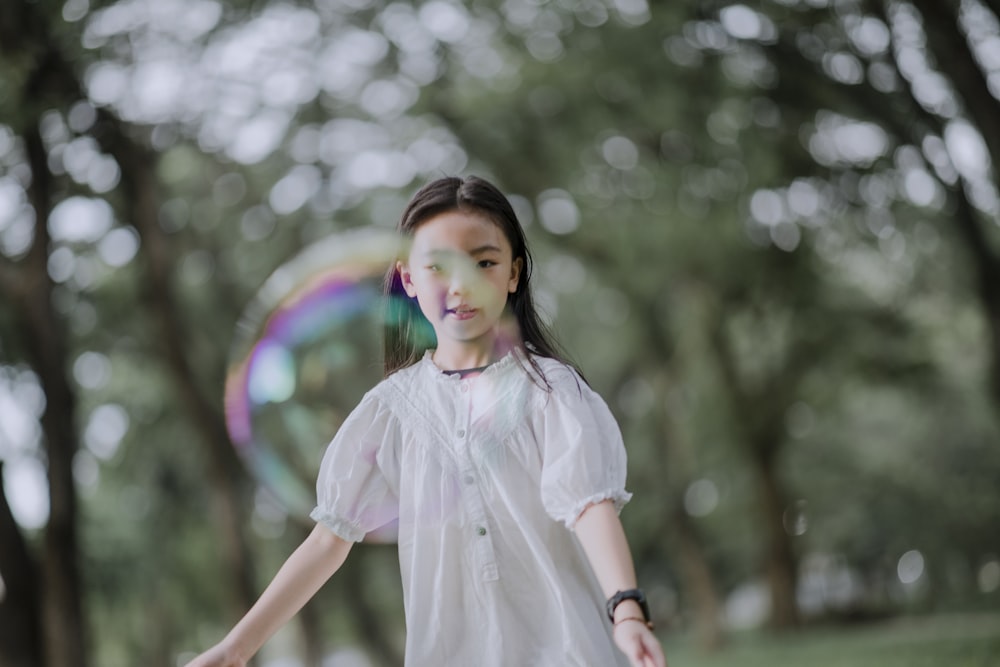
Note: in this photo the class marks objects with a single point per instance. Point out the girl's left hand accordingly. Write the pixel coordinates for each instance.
(640, 644)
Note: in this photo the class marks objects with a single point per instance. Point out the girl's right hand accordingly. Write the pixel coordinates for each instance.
(218, 656)
(639, 643)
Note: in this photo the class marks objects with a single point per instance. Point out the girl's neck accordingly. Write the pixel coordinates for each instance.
(458, 356)
(462, 359)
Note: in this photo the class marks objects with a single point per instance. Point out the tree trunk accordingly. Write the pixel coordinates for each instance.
(699, 582)
(780, 558)
(20, 615)
(761, 429)
(692, 560)
(226, 473)
(43, 335)
(44, 340)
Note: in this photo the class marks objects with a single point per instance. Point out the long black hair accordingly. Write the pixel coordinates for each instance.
(408, 334)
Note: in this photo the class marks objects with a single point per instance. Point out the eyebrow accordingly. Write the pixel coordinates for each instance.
(484, 248)
(478, 250)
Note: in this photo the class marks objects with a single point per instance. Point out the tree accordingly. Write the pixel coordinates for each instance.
(34, 49)
(921, 73)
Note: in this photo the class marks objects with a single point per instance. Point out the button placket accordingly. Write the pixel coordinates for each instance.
(461, 428)
(482, 542)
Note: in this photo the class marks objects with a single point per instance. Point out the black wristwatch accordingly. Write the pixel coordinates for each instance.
(630, 594)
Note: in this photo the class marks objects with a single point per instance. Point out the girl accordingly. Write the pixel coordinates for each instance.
(504, 469)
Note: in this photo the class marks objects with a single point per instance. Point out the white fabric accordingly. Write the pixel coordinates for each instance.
(487, 476)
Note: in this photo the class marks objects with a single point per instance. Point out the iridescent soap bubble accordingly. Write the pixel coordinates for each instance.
(306, 349)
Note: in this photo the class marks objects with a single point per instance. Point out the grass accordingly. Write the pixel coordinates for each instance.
(971, 640)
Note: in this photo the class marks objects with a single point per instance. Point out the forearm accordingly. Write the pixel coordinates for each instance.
(603, 539)
(306, 570)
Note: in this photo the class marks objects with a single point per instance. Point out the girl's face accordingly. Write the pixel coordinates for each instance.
(461, 269)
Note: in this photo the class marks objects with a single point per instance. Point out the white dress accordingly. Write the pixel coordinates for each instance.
(486, 476)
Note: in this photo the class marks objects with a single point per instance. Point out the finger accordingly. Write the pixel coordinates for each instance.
(654, 651)
(635, 653)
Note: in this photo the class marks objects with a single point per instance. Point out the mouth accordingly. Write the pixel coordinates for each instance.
(461, 312)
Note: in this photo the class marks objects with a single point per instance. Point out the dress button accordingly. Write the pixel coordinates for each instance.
(461, 432)
(481, 531)
(469, 479)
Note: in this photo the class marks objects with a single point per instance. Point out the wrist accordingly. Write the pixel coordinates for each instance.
(629, 604)
(234, 651)
(626, 609)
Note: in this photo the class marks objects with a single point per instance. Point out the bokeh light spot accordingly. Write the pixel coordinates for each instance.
(80, 219)
(701, 497)
(105, 429)
(272, 379)
(26, 485)
(989, 576)
(910, 567)
(558, 212)
(741, 22)
(92, 370)
(119, 246)
(794, 519)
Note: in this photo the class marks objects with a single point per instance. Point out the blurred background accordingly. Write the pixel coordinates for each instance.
(768, 232)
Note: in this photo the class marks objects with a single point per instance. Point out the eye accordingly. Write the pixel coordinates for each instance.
(434, 267)
(486, 263)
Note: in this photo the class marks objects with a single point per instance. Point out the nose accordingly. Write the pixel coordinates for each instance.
(461, 275)
(458, 282)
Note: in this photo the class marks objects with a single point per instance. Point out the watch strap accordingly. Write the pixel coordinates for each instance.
(630, 594)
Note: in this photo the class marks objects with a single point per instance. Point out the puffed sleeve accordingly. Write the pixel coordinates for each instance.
(354, 493)
(583, 453)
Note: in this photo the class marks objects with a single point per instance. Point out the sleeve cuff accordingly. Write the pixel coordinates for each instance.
(340, 527)
(619, 496)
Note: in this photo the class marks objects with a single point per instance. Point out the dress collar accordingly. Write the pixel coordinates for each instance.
(502, 365)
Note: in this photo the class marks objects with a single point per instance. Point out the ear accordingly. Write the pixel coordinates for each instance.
(515, 274)
(406, 279)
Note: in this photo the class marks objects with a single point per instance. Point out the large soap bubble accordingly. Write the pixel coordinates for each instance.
(306, 349)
